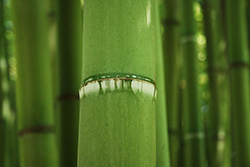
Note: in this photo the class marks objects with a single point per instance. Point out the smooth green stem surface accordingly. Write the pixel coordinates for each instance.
(69, 54)
(248, 21)
(162, 142)
(240, 84)
(2, 52)
(34, 85)
(171, 48)
(118, 125)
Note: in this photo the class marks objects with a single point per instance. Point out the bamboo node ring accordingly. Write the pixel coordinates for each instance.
(100, 84)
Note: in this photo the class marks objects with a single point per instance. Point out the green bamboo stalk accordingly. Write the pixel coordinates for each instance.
(34, 85)
(118, 112)
(248, 20)
(194, 151)
(162, 144)
(171, 47)
(8, 146)
(181, 106)
(180, 109)
(239, 61)
(53, 52)
(228, 147)
(2, 52)
(225, 87)
(2, 135)
(69, 50)
(216, 128)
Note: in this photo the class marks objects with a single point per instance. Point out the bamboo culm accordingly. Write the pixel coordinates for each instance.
(239, 75)
(117, 110)
(162, 144)
(171, 47)
(2, 52)
(193, 137)
(69, 55)
(37, 145)
(218, 83)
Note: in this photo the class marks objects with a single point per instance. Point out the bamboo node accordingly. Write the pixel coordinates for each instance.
(239, 64)
(36, 130)
(101, 84)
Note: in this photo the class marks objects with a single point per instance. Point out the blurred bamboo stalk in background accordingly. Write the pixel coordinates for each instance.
(171, 50)
(69, 55)
(226, 86)
(2, 54)
(240, 88)
(248, 21)
(194, 144)
(8, 137)
(34, 85)
(218, 81)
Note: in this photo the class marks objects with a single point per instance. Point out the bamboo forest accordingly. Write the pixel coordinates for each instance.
(124, 83)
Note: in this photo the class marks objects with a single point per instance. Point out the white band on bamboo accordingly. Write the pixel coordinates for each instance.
(118, 84)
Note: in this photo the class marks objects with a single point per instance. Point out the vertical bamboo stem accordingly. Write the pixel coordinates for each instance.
(239, 61)
(228, 95)
(248, 20)
(2, 52)
(118, 113)
(162, 144)
(218, 85)
(171, 47)
(194, 151)
(70, 47)
(9, 151)
(34, 86)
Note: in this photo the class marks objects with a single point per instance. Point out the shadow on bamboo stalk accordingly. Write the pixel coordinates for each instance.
(69, 54)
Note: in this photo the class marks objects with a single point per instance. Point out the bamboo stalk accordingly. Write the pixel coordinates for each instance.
(218, 85)
(34, 85)
(194, 146)
(180, 109)
(118, 112)
(181, 106)
(2, 52)
(248, 20)
(162, 146)
(54, 56)
(9, 151)
(162, 142)
(228, 96)
(171, 47)
(69, 47)
(239, 72)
